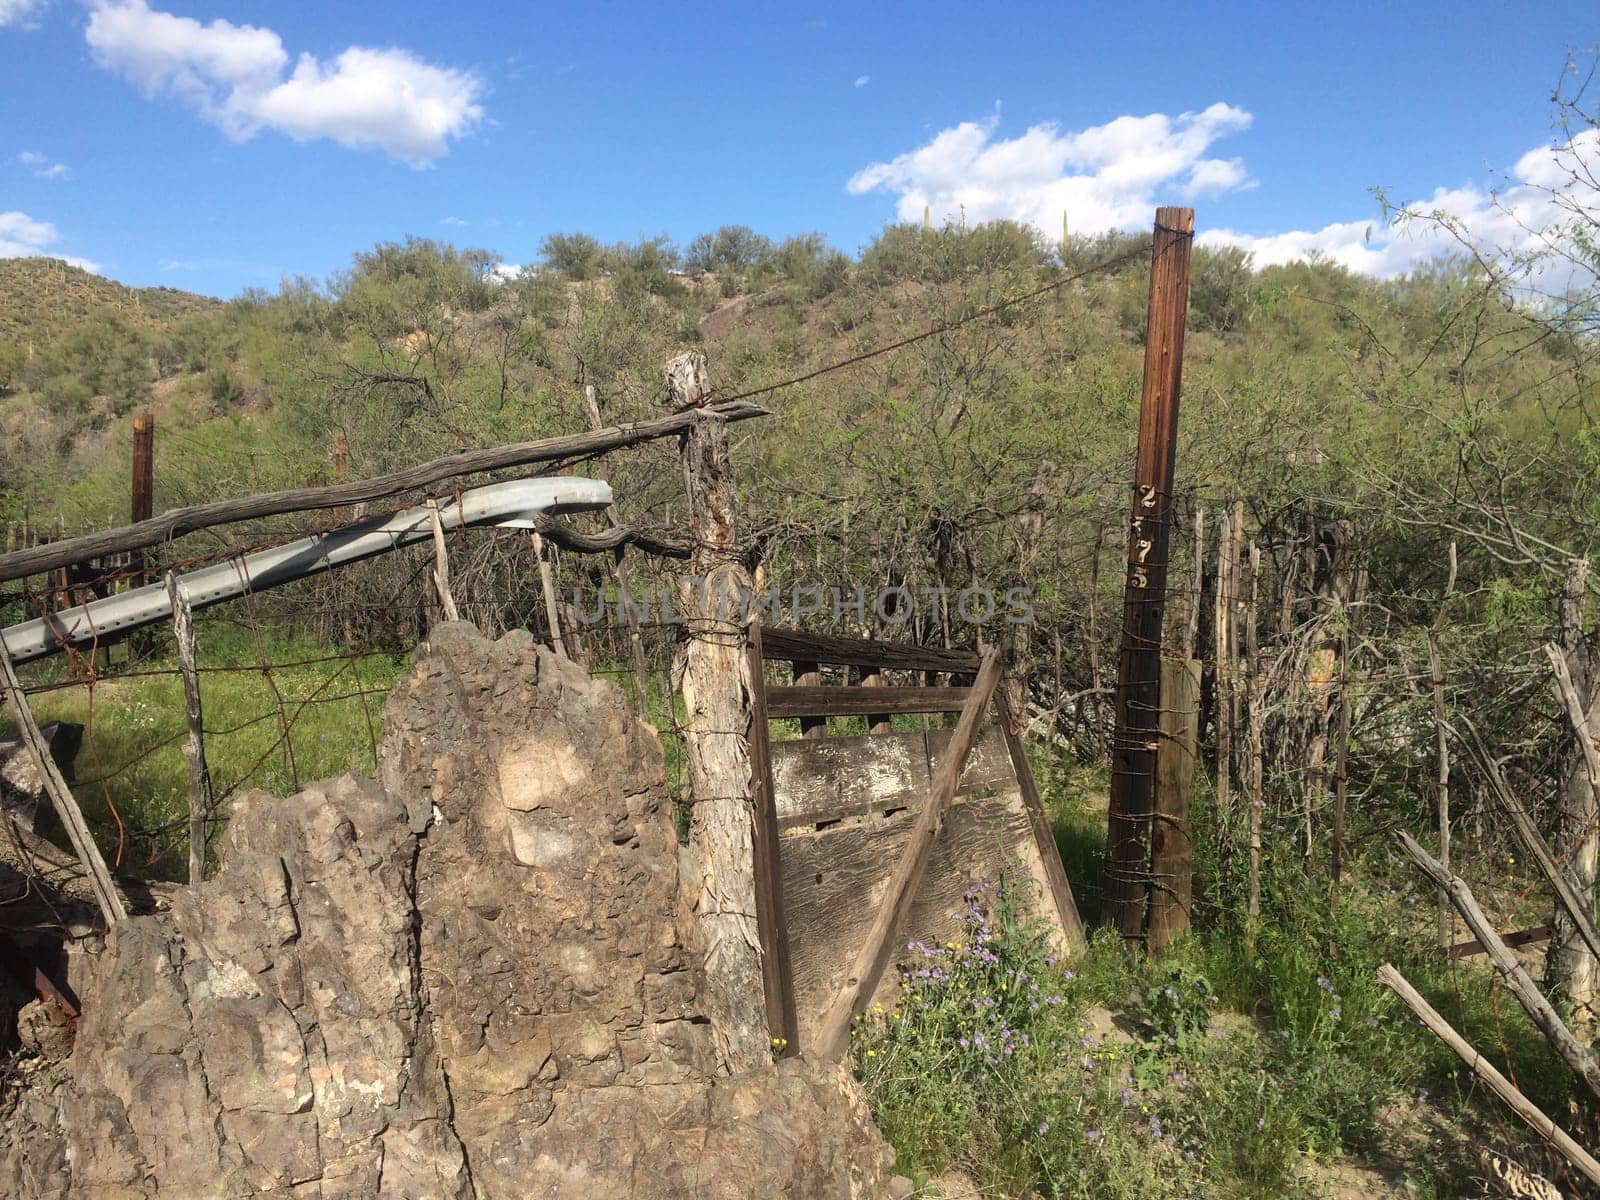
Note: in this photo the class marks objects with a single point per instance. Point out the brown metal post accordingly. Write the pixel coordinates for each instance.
(1126, 881)
(142, 507)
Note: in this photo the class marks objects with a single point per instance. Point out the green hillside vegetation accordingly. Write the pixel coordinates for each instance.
(1392, 417)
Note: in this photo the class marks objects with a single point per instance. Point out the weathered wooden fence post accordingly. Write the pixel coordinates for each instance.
(441, 566)
(716, 683)
(547, 588)
(66, 805)
(1172, 833)
(1573, 972)
(194, 749)
(1126, 886)
(142, 502)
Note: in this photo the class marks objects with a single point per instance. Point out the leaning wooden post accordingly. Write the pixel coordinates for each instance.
(716, 682)
(195, 748)
(547, 585)
(441, 565)
(1480, 1066)
(66, 805)
(1126, 884)
(1539, 1009)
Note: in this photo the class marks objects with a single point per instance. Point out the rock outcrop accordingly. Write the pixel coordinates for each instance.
(477, 978)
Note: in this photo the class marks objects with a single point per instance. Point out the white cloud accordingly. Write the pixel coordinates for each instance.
(21, 236)
(454, 222)
(863, 80)
(1104, 177)
(18, 12)
(1109, 177)
(1550, 187)
(237, 77)
(42, 167)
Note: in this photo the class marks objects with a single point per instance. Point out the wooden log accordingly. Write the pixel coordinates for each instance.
(772, 924)
(194, 749)
(179, 521)
(862, 701)
(1441, 735)
(66, 804)
(833, 1036)
(1126, 877)
(1539, 1010)
(717, 687)
(1484, 1070)
(1539, 850)
(794, 645)
(1044, 838)
(1171, 837)
(441, 565)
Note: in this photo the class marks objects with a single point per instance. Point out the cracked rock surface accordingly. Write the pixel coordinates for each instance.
(477, 978)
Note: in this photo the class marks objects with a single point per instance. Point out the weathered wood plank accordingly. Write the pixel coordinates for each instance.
(834, 879)
(867, 966)
(861, 701)
(876, 773)
(1171, 833)
(796, 644)
(1051, 871)
(1472, 947)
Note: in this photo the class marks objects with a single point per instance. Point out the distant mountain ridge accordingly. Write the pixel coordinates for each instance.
(41, 298)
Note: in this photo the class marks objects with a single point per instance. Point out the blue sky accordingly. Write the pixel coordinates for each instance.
(214, 144)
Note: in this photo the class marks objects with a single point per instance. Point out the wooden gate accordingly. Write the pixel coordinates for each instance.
(865, 842)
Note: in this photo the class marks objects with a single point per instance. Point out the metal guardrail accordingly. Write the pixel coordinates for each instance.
(513, 504)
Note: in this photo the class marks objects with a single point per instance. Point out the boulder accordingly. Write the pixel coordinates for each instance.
(478, 978)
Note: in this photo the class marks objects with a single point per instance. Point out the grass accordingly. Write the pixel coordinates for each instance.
(132, 774)
(1260, 1055)
(1258, 1049)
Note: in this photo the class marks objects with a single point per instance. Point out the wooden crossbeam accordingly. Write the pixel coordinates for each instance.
(795, 645)
(863, 701)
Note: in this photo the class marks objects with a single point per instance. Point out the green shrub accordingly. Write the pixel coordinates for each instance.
(987, 1064)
